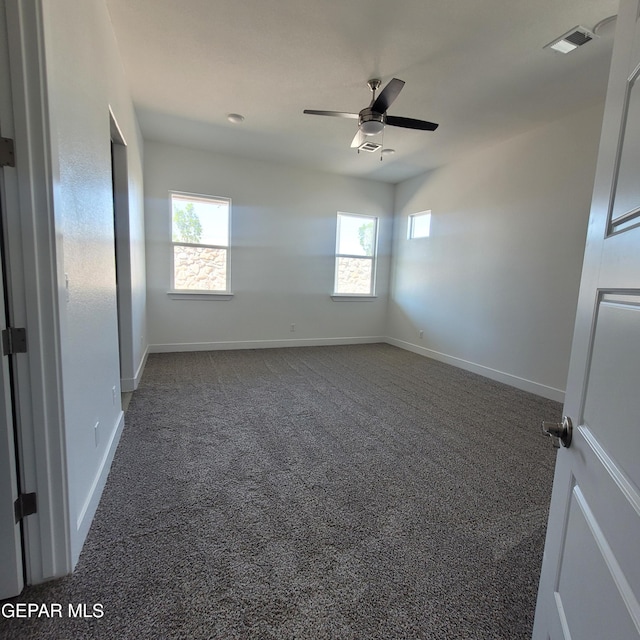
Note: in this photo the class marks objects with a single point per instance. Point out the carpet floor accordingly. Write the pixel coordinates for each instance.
(348, 492)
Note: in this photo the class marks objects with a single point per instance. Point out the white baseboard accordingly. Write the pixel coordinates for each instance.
(261, 344)
(500, 376)
(127, 385)
(131, 384)
(85, 517)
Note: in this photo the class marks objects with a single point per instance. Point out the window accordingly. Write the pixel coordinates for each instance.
(419, 225)
(355, 254)
(200, 239)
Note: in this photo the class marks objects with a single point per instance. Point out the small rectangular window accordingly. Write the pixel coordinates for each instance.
(419, 225)
(200, 243)
(356, 239)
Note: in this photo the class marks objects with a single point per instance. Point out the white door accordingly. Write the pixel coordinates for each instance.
(590, 582)
(11, 580)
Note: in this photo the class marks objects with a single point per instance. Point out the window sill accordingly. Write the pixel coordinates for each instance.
(200, 295)
(352, 297)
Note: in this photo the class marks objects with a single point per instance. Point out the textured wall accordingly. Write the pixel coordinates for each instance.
(84, 81)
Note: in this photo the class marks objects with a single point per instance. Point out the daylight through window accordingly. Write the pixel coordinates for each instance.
(356, 239)
(200, 239)
(419, 225)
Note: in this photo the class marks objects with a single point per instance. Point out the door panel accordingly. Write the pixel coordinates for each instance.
(590, 580)
(589, 572)
(611, 411)
(614, 506)
(627, 193)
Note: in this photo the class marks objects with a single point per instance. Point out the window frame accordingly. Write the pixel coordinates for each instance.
(411, 224)
(373, 258)
(202, 293)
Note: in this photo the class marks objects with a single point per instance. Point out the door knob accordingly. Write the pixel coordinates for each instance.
(559, 432)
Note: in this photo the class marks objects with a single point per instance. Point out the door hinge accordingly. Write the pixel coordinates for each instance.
(14, 341)
(25, 505)
(7, 153)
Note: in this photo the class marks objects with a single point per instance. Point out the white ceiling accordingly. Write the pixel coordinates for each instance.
(477, 67)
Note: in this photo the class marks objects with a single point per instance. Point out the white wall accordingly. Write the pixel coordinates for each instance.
(85, 80)
(282, 257)
(495, 286)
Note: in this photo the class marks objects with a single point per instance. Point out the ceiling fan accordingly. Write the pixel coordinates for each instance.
(372, 119)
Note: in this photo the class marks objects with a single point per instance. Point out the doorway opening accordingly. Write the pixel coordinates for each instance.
(120, 192)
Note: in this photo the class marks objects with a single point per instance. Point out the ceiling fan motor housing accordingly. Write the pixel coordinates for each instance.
(371, 123)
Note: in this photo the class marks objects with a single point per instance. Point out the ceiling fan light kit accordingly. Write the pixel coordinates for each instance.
(372, 119)
(371, 124)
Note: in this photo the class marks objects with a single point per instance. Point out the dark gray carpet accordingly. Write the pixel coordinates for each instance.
(325, 492)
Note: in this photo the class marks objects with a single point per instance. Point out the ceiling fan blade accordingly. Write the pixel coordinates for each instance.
(358, 139)
(387, 96)
(411, 123)
(335, 114)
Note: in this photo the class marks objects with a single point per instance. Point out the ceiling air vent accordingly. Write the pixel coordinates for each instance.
(571, 40)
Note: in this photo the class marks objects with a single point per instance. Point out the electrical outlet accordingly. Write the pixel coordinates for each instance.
(96, 433)
(293, 327)
(421, 334)
(113, 393)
